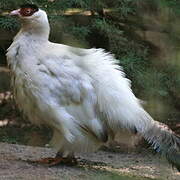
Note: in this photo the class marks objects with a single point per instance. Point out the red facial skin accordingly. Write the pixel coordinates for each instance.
(27, 11)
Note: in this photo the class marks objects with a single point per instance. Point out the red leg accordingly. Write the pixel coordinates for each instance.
(58, 160)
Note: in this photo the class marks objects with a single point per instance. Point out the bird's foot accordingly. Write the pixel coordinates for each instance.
(56, 161)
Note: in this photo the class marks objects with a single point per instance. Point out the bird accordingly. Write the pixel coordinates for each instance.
(83, 95)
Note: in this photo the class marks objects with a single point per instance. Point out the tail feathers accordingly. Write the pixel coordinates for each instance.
(164, 141)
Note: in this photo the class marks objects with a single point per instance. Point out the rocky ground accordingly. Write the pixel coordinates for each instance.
(100, 165)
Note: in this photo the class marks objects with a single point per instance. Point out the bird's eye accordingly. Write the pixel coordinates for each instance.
(26, 11)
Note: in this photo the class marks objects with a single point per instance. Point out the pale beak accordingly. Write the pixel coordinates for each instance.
(14, 13)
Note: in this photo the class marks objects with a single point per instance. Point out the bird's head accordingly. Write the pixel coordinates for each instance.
(32, 18)
(28, 12)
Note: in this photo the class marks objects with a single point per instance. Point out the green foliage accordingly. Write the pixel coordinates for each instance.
(10, 4)
(8, 23)
(103, 26)
(133, 64)
(174, 5)
(125, 7)
(80, 32)
(9, 134)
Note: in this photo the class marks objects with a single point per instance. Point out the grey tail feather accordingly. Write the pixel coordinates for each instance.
(164, 141)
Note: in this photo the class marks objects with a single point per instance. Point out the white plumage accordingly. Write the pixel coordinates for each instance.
(82, 94)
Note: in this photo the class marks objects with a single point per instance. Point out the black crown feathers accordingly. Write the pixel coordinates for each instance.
(32, 6)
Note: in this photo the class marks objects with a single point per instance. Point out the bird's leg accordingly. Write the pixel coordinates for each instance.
(70, 159)
(58, 160)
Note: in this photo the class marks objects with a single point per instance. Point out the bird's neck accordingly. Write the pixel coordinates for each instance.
(35, 30)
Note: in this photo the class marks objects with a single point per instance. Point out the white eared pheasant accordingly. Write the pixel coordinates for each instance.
(82, 94)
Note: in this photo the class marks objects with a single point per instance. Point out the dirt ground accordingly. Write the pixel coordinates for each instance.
(99, 165)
